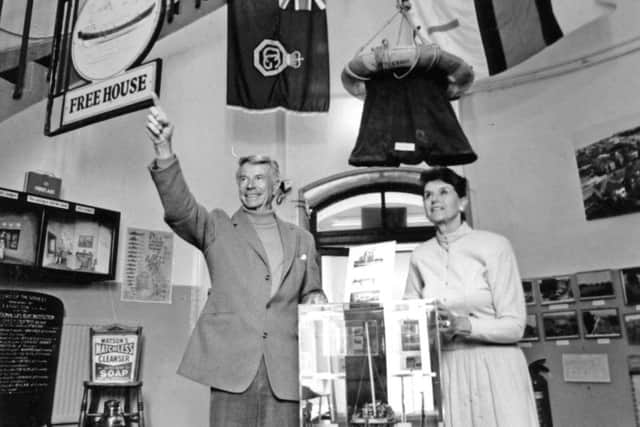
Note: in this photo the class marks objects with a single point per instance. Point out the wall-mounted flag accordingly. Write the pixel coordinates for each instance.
(278, 55)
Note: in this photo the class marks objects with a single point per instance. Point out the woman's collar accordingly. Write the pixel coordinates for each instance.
(445, 239)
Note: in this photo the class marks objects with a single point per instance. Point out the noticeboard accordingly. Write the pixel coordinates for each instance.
(30, 331)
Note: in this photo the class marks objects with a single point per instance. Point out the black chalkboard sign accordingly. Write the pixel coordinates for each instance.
(30, 329)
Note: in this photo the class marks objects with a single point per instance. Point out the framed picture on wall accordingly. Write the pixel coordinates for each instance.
(601, 323)
(632, 325)
(560, 325)
(531, 329)
(630, 278)
(595, 285)
(529, 294)
(555, 290)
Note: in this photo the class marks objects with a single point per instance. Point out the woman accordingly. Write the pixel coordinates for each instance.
(474, 277)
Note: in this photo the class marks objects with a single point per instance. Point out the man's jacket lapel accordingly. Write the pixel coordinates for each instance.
(289, 246)
(245, 229)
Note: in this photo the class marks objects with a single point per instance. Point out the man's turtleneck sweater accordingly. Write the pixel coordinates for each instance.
(267, 229)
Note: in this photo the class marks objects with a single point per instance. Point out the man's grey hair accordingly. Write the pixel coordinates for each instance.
(260, 159)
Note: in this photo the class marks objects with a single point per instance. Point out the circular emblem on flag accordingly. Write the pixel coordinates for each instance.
(271, 58)
(112, 35)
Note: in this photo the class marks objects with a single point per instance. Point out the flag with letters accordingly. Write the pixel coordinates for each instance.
(278, 55)
(490, 35)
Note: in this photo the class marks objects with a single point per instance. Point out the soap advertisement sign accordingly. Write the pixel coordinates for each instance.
(114, 357)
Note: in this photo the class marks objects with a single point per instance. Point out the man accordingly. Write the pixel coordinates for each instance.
(244, 345)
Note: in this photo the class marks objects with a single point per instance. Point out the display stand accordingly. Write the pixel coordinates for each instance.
(112, 415)
(376, 365)
(115, 352)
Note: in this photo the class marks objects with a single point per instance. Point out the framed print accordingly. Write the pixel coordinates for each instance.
(560, 325)
(601, 323)
(595, 285)
(631, 285)
(531, 330)
(528, 289)
(555, 290)
(632, 325)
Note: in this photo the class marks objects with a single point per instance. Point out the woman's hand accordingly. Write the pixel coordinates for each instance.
(451, 325)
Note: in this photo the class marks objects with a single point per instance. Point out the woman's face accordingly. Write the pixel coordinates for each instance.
(442, 204)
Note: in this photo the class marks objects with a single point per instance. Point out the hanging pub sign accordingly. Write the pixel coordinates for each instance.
(98, 71)
(115, 354)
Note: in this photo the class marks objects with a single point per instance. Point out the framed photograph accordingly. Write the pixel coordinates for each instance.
(531, 329)
(609, 172)
(601, 323)
(560, 325)
(631, 285)
(632, 325)
(555, 290)
(595, 285)
(528, 288)
(357, 341)
(410, 332)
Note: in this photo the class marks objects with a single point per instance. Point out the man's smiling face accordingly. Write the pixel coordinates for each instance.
(256, 186)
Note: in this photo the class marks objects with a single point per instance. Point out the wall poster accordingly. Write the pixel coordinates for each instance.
(370, 272)
(609, 172)
(148, 266)
(586, 368)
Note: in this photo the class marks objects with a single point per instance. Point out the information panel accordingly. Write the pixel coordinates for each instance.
(30, 330)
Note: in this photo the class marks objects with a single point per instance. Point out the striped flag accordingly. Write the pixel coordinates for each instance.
(278, 55)
(494, 35)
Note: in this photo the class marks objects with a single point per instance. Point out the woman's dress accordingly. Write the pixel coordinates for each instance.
(484, 374)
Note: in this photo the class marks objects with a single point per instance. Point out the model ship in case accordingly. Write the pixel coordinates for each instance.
(369, 364)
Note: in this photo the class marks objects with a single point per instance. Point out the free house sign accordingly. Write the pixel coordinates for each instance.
(109, 38)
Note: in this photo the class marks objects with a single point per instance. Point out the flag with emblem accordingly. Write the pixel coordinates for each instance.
(278, 55)
(490, 35)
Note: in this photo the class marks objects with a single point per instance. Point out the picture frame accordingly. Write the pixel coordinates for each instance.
(601, 323)
(529, 291)
(357, 340)
(531, 328)
(630, 278)
(595, 285)
(555, 290)
(632, 327)
(560, 325)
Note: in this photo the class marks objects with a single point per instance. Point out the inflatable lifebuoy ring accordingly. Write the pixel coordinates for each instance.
(405, 59)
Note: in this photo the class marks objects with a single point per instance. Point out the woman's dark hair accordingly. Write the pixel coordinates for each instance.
(444, 174)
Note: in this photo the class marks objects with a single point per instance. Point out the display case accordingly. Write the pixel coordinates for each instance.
(57, 238)
(369, 364)
(20, 224)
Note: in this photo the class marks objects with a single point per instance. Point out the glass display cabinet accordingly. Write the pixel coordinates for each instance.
(369, 364)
